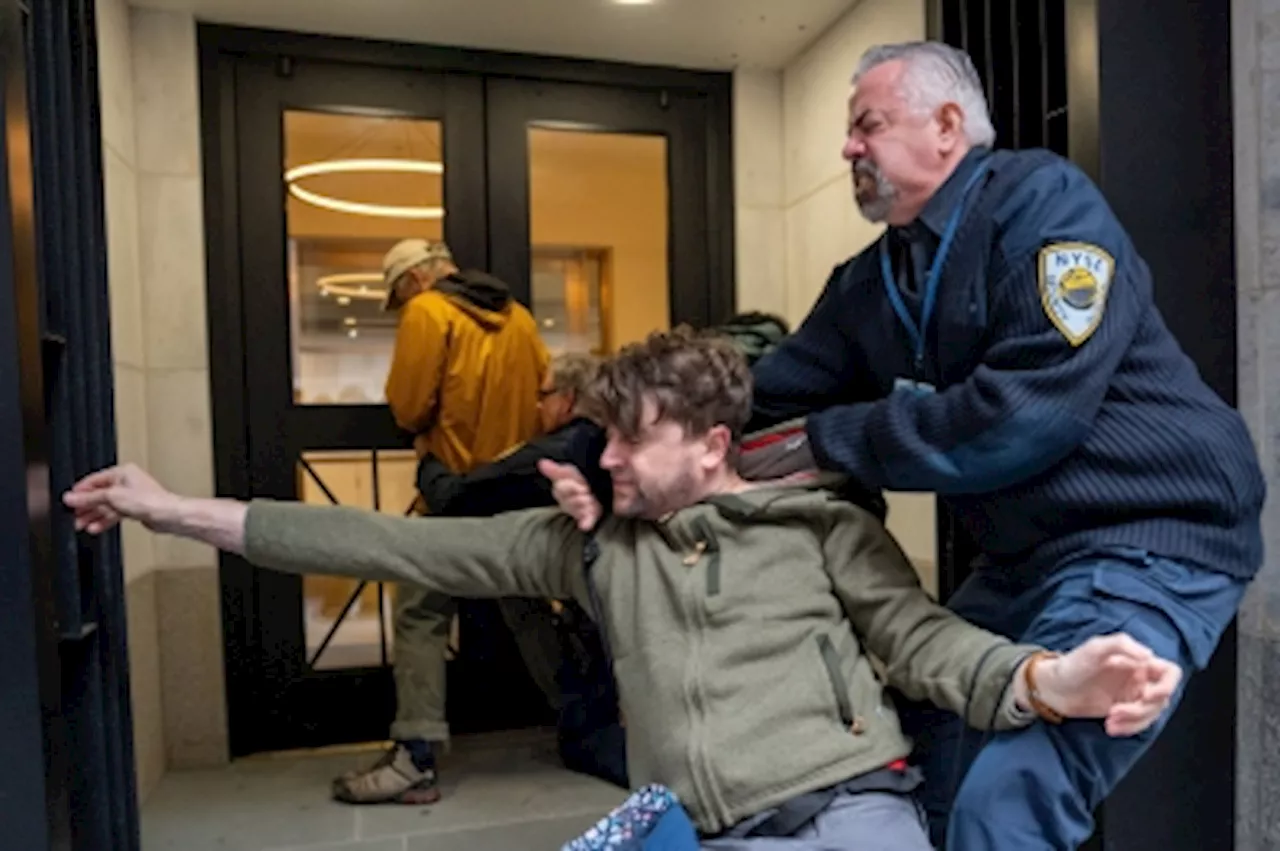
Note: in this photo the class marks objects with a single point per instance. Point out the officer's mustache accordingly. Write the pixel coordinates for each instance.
(874, 205)
(866, 168)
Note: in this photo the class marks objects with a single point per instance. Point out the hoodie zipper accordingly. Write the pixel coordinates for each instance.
(698, 760)
(707, 545)
(693, 702)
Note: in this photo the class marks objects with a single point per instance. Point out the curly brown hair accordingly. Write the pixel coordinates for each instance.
(697, 380)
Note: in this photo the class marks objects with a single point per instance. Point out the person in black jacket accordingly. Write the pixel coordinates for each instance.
(590, 734)
(512, 482)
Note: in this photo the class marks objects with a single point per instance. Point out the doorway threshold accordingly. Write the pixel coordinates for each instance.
(502, 792)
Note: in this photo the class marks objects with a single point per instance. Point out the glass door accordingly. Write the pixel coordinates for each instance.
(593, 201)
(598, 209)
(335, 164)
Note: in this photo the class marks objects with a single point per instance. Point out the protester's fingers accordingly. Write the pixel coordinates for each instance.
(100, 480)
(1115, 668)
(574, 501)
(558, 472)
(1118, 644)
(1154, 682)
(564, 489)
(1150, 678)
(569, 488)
(585, 510)
(107, 523)
(1163, 678)
(1160, 683)
(1122, 661)
(97, 522)
(1130, 719)
(88, 500)
(1124, 678)
(85, 516)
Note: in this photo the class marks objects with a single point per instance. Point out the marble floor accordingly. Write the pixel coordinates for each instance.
(501, 793)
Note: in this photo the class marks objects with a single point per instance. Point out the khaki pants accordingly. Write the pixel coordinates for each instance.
(423, 621)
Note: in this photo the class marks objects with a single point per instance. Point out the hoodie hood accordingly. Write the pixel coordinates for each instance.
(766, 498)
(481, 296)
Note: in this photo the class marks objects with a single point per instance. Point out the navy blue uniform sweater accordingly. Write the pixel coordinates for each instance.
(1044, 448)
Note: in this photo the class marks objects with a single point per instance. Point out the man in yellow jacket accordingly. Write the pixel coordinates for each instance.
(464, 379)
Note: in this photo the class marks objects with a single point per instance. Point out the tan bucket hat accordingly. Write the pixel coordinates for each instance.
(405, 255)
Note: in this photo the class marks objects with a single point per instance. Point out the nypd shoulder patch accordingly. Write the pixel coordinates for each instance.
(1075, 278)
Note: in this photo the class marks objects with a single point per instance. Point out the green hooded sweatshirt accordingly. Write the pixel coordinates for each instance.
(742, 628)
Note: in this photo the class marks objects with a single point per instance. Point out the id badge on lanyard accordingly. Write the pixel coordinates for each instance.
(915, 383)
(920, 388)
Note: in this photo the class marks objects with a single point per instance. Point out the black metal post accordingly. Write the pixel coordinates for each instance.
(63, 649)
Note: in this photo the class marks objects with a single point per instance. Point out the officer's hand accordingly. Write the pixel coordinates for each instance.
(572, 493)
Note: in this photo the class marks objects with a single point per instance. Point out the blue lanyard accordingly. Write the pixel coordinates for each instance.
(917, 332)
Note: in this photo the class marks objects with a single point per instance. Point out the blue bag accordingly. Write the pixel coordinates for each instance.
(650, 820)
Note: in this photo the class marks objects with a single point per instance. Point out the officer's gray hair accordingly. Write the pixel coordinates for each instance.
(935, 74)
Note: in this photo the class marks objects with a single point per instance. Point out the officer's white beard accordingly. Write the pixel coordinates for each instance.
(875, 205)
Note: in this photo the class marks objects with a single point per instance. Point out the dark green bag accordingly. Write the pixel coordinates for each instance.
(756, 334)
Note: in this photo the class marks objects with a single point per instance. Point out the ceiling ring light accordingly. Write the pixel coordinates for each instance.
(353, 285)
(339, 205)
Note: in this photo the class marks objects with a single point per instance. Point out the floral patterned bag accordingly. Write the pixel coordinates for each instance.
(650, 820)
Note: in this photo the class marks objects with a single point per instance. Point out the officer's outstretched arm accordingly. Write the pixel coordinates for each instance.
(806, 372)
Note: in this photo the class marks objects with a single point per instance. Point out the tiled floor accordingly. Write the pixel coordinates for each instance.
(502, 793)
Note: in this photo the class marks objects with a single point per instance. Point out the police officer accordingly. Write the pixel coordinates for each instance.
(999, 345)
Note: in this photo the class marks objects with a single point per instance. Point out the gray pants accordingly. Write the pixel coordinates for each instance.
(422, 623)
(867, 821)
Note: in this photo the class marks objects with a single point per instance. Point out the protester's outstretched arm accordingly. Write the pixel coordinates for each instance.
(530, 553)
(933, 654)
(101, 500)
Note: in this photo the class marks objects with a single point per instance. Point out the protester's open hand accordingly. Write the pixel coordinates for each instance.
(1112, 677)
(101, 500)
(573, 494)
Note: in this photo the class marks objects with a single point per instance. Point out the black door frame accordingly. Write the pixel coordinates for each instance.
(34, 814)
(64, 683)
(1126, 73)
(224, 52)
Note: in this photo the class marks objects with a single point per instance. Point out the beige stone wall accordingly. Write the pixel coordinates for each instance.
(120, 188)
(821, 224)
(794, 205)
(171, 275)
(760, 241)
(155, 250)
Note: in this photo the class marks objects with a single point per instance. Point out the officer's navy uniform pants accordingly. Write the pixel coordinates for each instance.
(1037, 788)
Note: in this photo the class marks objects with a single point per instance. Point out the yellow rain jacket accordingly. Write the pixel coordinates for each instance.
(466, 370)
